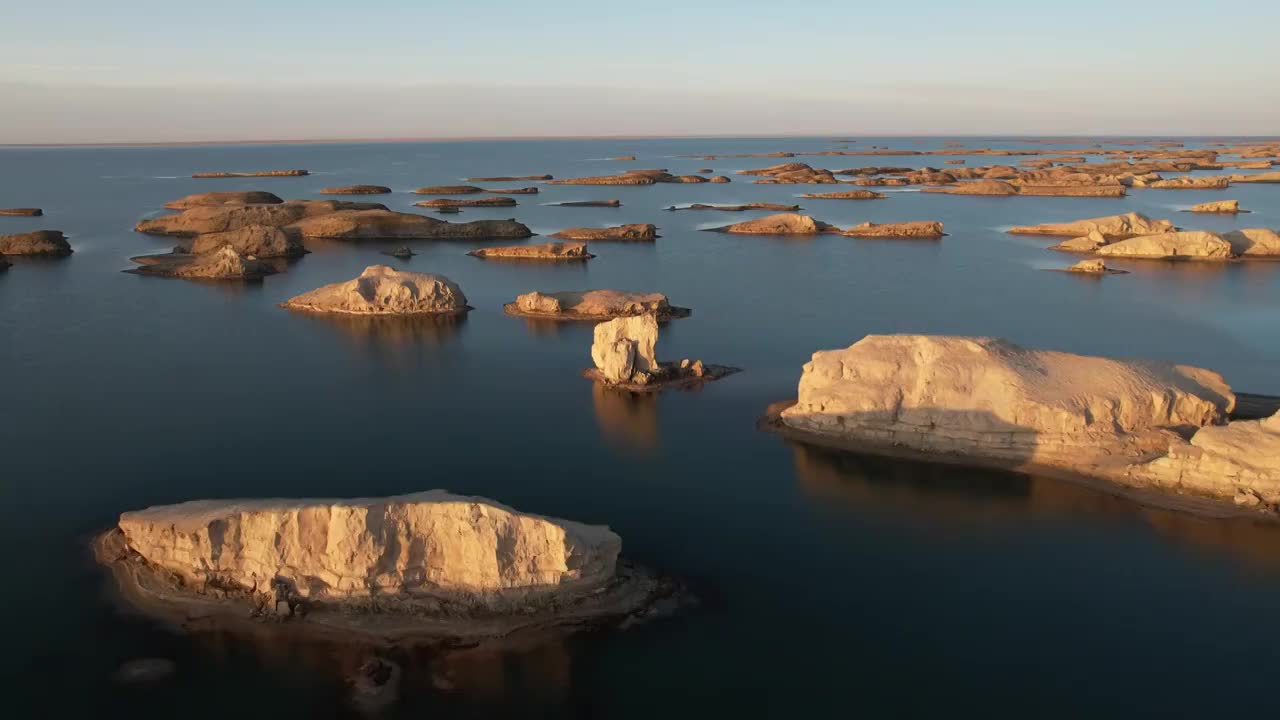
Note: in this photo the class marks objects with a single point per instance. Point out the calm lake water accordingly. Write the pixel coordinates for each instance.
(831, 583)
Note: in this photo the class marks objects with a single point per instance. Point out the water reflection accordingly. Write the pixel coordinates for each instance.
(933, 495)
(394, 341)
(626, 419)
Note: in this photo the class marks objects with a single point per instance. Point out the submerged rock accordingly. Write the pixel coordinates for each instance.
(218, 199)
(223, 263)
(847, 195)
(145, 671)
(1226, 207)
(988, 398)
(1254, 242)
(357, 190)
(1111, 227)
(389, 225)
(259, 173)
(40, 242)
(420, 566)
(920, 229)
(594, 305)
(375, 685)
(634, 232)
(1189, 245)
(257, 240)
(474, 202)
(780, 224)
(21, 212)
(4, 263)
(589, 203)
(449, 190)
(381, 290)
(544, 251)
(404, 252)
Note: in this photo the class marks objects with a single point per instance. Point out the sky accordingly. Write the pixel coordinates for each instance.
(146, 71)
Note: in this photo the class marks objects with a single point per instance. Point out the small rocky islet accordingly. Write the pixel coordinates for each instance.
(623, 353)
(38, 243)
(552, 251)
(595, 305)
(383, 290)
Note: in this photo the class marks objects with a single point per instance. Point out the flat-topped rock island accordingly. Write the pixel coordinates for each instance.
(424, 567)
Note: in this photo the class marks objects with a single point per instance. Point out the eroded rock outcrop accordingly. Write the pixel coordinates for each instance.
(1239, 461)
(509, 178)
(207, 219)
(448, 190)
(794, 173)
(382, 290)
(218, 199)
(780, 224)
(637, 232)
(258, 173)
(737, 208)
(1093, 267)
(21, 212)
(1224, 207)
(988, 398)
(1186, 245)
(1111, 227)
(395, 569)
(469, 202)
(1253, 242)
(1191, 183)
(594, 305)
(357, 190)
(920, 229)
(390, 225)
(222, 263)
(40, 242)
(257, 240)
(847, 195)
(589, 203)
(1269, 177)
(624, 355)
(543, 251)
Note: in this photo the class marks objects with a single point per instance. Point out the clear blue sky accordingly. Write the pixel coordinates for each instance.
(79, 71)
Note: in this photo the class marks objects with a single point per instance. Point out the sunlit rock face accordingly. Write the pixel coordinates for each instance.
(382, 290)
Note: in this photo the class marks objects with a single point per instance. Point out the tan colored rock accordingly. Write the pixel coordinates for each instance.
(628, 178)
(624, 157)
(1112, 227)
(1189, 182)
(544, 251)
(780, 224)
(1093, 267)
(738, 208)
(515, 191)
(1083, 244)
(471, 202)
(222, 263)
(635, 232)
(21, 212)
(448, 190)
(1239, 461)
(979, 187)
(920, 229)
(259, 173)
(847, 195)
(206, 219)
(357, 190)
(390, 225)
(1188, 245)
(381, 290)
(624, 348)
(40, 242)
(433, 544)
(793, 173)
(256, 240)
(1269, 177)
(595, 305)
(1225, 207)
(1108, 191)
(509, 178)
(1254, 242)
(218, 199)
(720, 179)
(988, 398)
(589, 203)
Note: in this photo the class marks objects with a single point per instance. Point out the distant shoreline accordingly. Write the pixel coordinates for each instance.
(527, 138)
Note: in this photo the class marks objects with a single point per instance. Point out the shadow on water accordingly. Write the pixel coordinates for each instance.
(921, 493)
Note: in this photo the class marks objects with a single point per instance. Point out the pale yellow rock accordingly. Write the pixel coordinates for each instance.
(1187, 245)
(1189, 182)
(257, 240)
(1111, 227)
(1095, 267)
(625, 347)
(1238, 461)
(1226, 207)
(381, 290)
(1085, 244)
(989, 398)
(595, 304)
(430, 543)
(1268, 177)
(780, 224)
(1253, 242)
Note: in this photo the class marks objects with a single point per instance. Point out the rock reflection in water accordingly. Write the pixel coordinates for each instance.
(627, 419)
(937, 495)
(401, 341)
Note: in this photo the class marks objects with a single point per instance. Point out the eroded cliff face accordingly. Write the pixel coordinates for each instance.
(431, 543)
(988, 397)
(1239, 461)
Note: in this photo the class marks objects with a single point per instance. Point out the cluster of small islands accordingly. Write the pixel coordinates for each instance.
(434, 566)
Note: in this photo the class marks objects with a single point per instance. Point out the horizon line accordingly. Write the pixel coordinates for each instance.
(836, 137)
